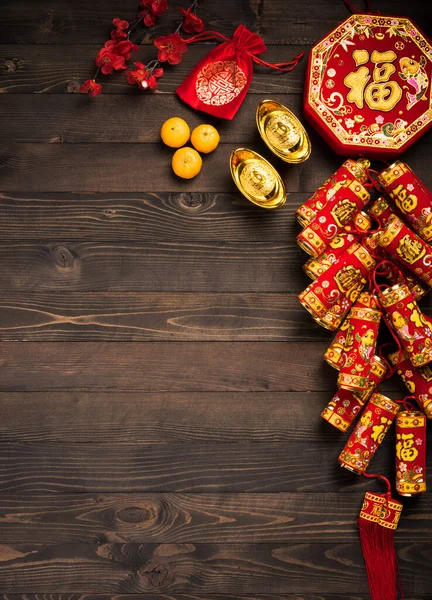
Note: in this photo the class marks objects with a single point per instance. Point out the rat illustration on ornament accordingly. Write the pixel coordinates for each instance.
(413, 72)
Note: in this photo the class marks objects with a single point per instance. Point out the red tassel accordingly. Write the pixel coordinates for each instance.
(378, 521)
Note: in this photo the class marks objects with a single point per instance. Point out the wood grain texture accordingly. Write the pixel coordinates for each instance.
(282, 22)
(55, 119)
(169, 367)
(208, 568)
(152, 266)
(152, 446)
(195, 518)
(161, 418)
(135, 316)
(195, 467)
(53, 167)
(62, 22)
(62, 69)
(65, 23)
(191, 596)
(160, 217)
(137, 167)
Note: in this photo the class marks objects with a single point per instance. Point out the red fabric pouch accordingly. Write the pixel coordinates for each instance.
(218, 84)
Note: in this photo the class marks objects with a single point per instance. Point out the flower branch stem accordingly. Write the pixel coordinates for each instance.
(136, 23)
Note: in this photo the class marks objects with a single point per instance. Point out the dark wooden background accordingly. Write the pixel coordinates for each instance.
(160, 384)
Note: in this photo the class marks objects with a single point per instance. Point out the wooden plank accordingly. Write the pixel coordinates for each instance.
(195, 518)
(61, 69)
(183, 467)
(161, 418)
(144, 317)
(81, 22)
(284, 22)
(219, 267)
(168, 366)
(152, 266)
(186, 216)
(62, 22)
(195, 596)
(140, 167)
(208, 568)
(187, 596)
(111, 168)
(53, 118)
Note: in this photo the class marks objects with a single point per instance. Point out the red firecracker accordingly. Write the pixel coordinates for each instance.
(376, 376)
(315, 267)
(408, 322)
(351, 169)
(330, 297)
(411, 196)
(360, 343)
(417, 381)
(345, 405)
(410, 453)
(407, 248)
(369, 433)
(342, 409)
(346, 202)
(382, 209)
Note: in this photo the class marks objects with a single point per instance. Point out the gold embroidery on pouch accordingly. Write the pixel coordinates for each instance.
(220, 82)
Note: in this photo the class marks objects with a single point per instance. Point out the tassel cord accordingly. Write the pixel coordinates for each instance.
(210, 35)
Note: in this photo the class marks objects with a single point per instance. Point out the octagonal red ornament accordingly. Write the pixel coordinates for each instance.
(369, 86)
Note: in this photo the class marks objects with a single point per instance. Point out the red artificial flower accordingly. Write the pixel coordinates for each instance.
(171, 47)
(156, 6)
(144, 78)
(91, 88)
(125, 48)
(149, 18)
(120, 23)
(107, 60)
(191, 23)
(118, 33)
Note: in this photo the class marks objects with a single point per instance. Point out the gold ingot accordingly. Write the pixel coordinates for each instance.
(282, 132)
(257, 179)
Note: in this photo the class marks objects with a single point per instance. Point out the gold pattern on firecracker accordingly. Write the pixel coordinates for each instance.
(257, 179)
(282, 131)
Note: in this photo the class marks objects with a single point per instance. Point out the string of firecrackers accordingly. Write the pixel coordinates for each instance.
(118, 50)
(364, 274)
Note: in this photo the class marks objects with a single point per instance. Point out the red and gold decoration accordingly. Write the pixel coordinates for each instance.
(368, 86)
(406, 247)
(350, 170)
(410, 453)
(369, 433)
(220, 81)
(331, 295)
(216, 85)
(411, 197)
(345, 405)
(370, 269)
(408, 322)
(360, 344)
(417, 381)
(349, 198)
(379, 518)
(342, 409)
(315, 267)
(368, 93)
